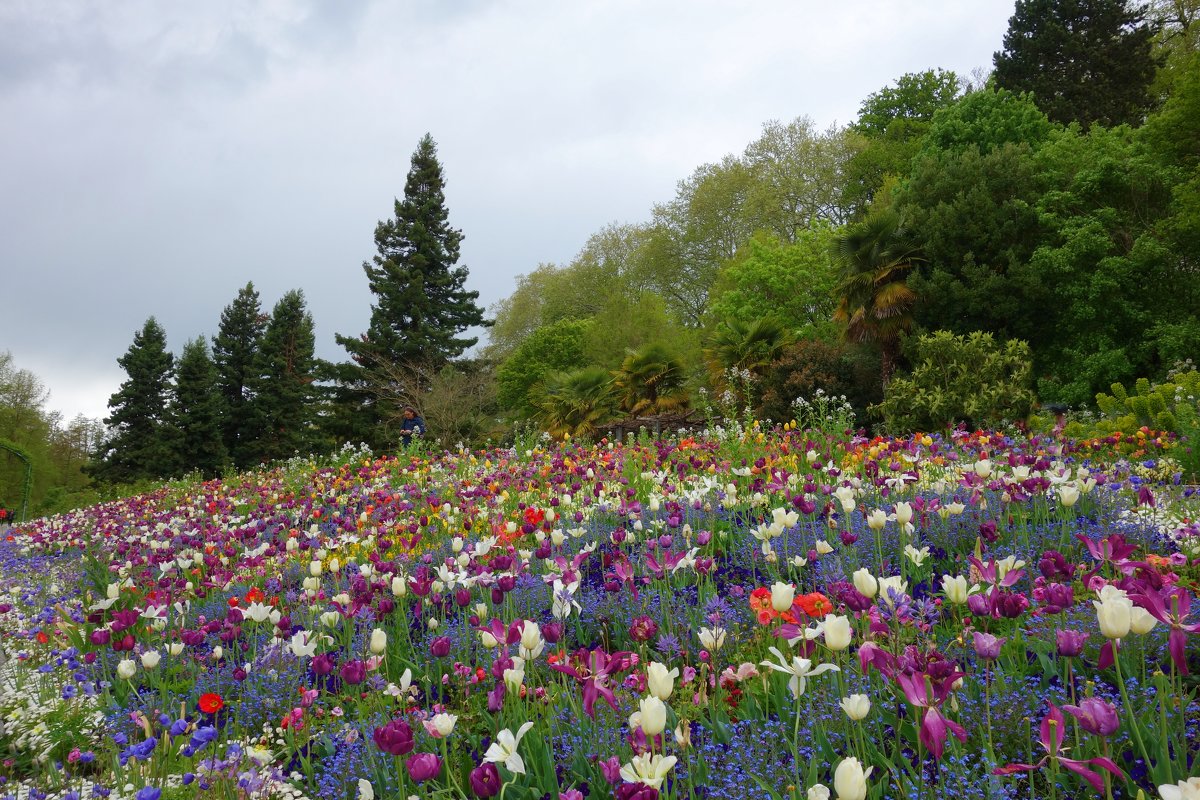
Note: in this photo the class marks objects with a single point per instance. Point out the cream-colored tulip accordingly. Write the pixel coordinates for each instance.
(1141, 621)
(850, 781)
(856, 706)
(865, 583)
(653, 718)
(660, 680)
(782, 596)
(838, 632)
(1115, 615)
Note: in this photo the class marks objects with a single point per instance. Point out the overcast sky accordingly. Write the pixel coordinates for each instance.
(157, 154)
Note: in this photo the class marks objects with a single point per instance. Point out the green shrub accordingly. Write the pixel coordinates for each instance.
(971, 379)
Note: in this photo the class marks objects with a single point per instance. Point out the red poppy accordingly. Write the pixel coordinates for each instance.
(814, 604)
(42, 637)
(211, 703)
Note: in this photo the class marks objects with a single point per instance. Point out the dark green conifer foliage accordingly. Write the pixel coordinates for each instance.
(197, 412)
(235, 349)
(421, 307)
(284, 393)
(139, 444)
(1085, 61)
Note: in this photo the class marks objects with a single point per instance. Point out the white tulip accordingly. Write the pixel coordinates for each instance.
(856, 706)
(838, 632)
(865, 583)
(782, 596)
(660, 680)
(849, 780)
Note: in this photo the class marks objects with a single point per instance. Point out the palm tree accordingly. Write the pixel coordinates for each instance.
(737, 344)
(875, 258)
(575, 402)
(651, 381)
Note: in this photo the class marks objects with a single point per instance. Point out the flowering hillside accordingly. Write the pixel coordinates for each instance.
(741, 614)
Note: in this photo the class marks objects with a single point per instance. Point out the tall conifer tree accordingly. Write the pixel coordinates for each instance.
(421, 307)
(197, 411)
(284, 393)
(140, 441)
(235, 350)
(1085, 61)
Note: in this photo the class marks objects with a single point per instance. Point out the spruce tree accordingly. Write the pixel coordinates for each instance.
(197, 411)
(1085, 61)
(284, 392)
(140, 444)
(421, 307)
(235, 350)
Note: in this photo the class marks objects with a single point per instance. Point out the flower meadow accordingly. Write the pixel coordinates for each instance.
(740, 613)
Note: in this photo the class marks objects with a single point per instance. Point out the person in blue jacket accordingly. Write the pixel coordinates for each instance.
(412, 425)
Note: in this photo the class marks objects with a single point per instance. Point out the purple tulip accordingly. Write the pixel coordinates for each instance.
(1010, 605)
(636, 791)
(423, 766)
(1172, 608)
(353, 672)
(987, 646)
(395, 738)
(322, 664)
(1055, 567)
(1069, 643)
(440, 647)
(485, 780)
(642, 629)
(980, 605)
(495, 698)
(1096, 716)
(1052, 738)
(552, 632)
(1054, 597)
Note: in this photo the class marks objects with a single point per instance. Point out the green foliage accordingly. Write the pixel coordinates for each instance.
(904, 111)
(196, 412)
(234, 352)
(875, 305)
(972, 379)
(1171, 406)
(575, 403)
(791, 282)
(283, 388)
(651, 381)
(746, 346)
(553, 348)
(1085, 61)
(987, 119)
(623, 325)
(809, 365)
(140, 443)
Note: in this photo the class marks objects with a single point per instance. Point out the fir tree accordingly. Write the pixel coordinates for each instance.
(284, 392)
(421, 307)
(197, 411)
(1086, 61)
(140, 441)
(235, 349)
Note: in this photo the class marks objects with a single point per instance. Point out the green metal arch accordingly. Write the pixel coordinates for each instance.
(27, 483)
